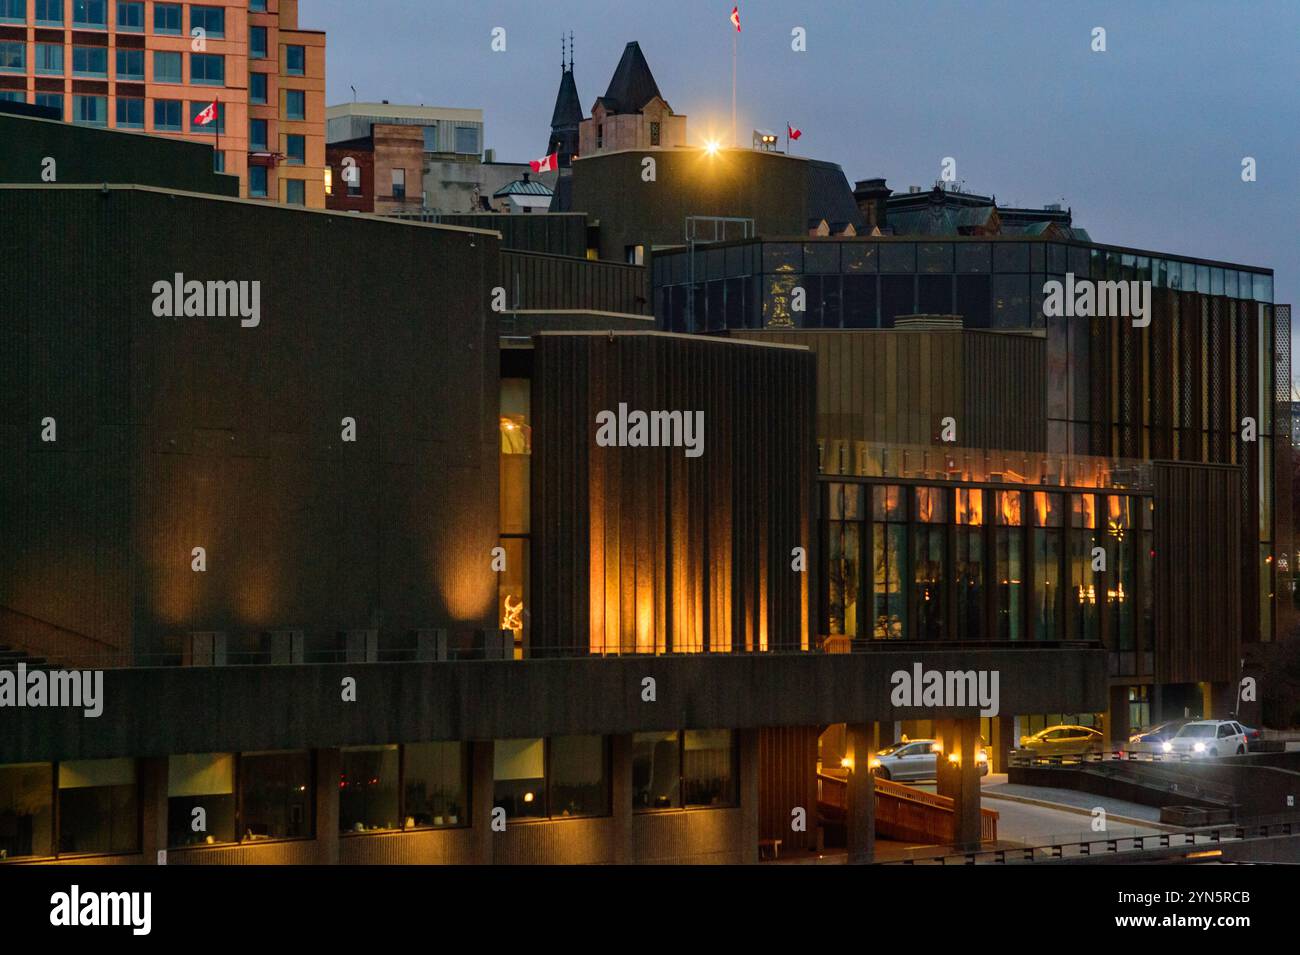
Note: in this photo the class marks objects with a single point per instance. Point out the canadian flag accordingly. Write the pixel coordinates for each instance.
(546, 163)
(735, 18)
(207, 115)
(792, 132)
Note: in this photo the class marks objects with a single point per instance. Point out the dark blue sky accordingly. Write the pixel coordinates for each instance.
(1144, 141)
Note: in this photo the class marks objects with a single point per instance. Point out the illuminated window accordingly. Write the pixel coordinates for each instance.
(889, 562)
(26, 810)
(519, 777)
(695, 770)
(435, 785)
(98, 809)
(276, 795)
(368, 787)
(201, 799)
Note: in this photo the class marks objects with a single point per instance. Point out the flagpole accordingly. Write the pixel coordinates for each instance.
(216, 121)
(735, 42)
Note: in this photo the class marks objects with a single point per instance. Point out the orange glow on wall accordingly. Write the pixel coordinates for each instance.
(1009, 508)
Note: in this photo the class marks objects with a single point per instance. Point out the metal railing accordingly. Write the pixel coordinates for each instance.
(1190, 841)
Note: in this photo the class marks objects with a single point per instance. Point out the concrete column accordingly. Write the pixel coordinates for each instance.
(1003, 730)
(1117, 727)
(482, 758)
(960, 781)
(749, 795)
(153, 807)
(329, 765)
(621, 794)
(860, 816)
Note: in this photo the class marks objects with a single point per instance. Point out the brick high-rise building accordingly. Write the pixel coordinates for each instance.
(152, 67)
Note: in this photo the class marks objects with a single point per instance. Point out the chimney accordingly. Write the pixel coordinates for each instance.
(871, 196)
(525, 177)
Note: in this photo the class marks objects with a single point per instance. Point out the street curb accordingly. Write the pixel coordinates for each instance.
(1127, 820)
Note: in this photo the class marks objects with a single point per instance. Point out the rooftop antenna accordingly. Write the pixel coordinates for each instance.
(354, 94)
(561, 54)
(570, 51)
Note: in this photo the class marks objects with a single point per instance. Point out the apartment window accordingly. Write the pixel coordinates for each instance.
(295, 149)
(257, 42)
(130, 65)
(211, 20)
(275, 795)
(90, 61)
(26, 810)
(130, 17)
(654, 134)
(49, 12)
(13, 11)
(354, 184)
(167, 67)
(295, 104)
(201, 803)
(600, 135)
(49, 58)
(130, 112)
(167, 18)
(257, 6)
(368, 789)
(399, 183)
(13, 56)
(211, 128)
(167, 115)
(51, 101)
(257, 181)
(257, 134)
(97, 807)
(13, 96)
(218, 160)
(90, 13)
(295, 192)
(207, 69)
(90, 110)
(257, 88)
(295, 60)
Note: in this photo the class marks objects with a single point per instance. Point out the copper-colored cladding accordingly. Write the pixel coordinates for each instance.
(1198, 577)
(644, 550)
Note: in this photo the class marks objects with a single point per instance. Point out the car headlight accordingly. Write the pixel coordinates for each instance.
(1135, 739)
(981, 757)
(1199, 747)
(873, 763)
(1167, 746)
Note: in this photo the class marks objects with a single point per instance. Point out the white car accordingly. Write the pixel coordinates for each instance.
(1206, 738)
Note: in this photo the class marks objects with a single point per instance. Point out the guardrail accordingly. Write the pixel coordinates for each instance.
(1194, 841)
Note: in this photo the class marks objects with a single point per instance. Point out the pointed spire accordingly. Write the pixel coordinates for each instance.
(570, 51)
